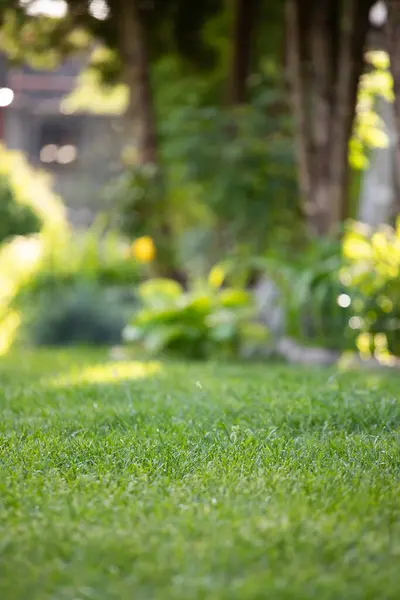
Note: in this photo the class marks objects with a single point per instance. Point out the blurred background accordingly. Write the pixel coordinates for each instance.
(216, 180)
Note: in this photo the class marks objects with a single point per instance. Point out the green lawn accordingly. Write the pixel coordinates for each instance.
(180, 482)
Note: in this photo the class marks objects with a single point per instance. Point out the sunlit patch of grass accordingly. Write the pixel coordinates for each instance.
(106, 373)
(196, 481)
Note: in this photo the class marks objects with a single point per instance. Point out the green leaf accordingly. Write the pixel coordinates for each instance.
(254, 332)
(160, 338)
(160, 293)
(232, 297)
(224, 332)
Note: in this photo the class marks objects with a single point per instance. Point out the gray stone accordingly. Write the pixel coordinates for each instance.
(295, 353)
(270, 308)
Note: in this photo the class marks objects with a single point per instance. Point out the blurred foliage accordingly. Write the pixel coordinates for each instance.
(227, 176)
(240, 166)
(140, 198)
(97, 254)
(323, 319)
(97, 91)
(343, 295)
(224, 189)
(310, 287)
(19, 260)
(27, 199)
(173, 26)
(368, 127)
(372, 275)
(98, 88)
(142, 211)
(15, 217)
(205, 321)
(77, 313)
(20, 256)
(61, 270)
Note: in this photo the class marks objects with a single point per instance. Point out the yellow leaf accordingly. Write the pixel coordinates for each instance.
(378, 58)
(356, 248)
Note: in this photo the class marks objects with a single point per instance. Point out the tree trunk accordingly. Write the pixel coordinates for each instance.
(393, 41)
(141, 132)
(325, 57)
(241, 52)
(141, 126)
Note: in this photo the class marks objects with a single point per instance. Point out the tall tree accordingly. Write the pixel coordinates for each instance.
(134, 55)
(325, 49)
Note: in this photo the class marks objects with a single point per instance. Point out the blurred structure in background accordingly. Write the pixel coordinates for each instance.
(81, 151)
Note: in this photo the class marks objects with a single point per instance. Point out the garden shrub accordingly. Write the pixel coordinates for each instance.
(345, 295)
(205, 321)
(81, 313)
(94, 255)
(81, 291)
(46, 280)
(311, 293)
(372, 276)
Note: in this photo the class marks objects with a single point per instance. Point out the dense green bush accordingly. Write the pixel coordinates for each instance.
(81, 313)
(67, 298)
(227, 177)
(94, 255)
(316, 311)
(200, 323)
(52, 282)
(15, 218)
